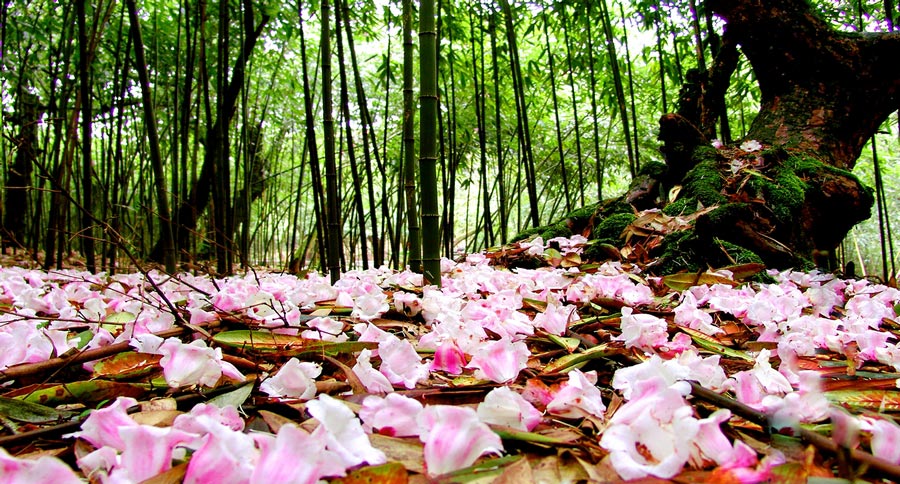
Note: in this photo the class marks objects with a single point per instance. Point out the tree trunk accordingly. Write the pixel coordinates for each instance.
(823, 91)
(522, 114)
(190, 209)
(332, 211)
(18, 178)
(85, 56)
(162, 201)
(414, 237)
(318, 192)
(784, 196)
(428, 136)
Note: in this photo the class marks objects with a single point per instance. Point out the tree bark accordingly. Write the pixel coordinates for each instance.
(165, 219)
(18, 178)
(823, 91)
(189, 210)
(784, 196)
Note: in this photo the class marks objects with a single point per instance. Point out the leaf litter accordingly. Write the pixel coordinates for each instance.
(570, 372)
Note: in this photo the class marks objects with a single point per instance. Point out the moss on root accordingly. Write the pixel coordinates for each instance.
(780, 207)
(687, 252)
(571, 223)
(609, 230)
(702, 185)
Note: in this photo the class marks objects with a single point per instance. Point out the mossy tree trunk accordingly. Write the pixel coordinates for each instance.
(823, 91)
(784, 195)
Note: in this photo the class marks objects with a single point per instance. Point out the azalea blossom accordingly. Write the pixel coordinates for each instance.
(394, 415)
(688, 314)
(503, 406)
(325, 329)
(187, 364)
(686, 366)
(23, 342)
(751, 386)
(500, 360)
(449, 358)
(309, 460)
(369, 333)
(885, 438)
(556, 318)
(534, 247)
(579, 397)
(295, 379)
(751, 145)
(344, 433)
(225, 456)
(808, 404)
(35, 471)
(194, 364)
(147, 450)
(204, 416)
(367, 307)
(454, 438)
(400, 363)
(845, 428)
(643, 331)
(407, 303)
(372, 379)
(652, 434)
(102, 426)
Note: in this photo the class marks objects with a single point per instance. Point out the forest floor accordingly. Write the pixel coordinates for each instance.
(527, 365)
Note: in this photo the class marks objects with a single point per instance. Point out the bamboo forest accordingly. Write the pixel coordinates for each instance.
(447, 241)
(207, 121)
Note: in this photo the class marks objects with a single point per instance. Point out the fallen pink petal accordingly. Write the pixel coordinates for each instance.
(393, 415)
(454, 438)
(579, 397)
(295, 379)
(35, 471)
(499, 361)
(503, 406)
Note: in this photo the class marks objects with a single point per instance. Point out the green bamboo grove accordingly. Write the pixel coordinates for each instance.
(336, 135)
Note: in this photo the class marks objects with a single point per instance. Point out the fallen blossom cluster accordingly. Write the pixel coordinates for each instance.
(480, 327)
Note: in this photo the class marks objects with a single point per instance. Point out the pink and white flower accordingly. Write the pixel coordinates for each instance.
(309, 459)
(556, 318)
(400, 363)
(372, 379)
(503, 406)
(643, 331)
(344, 433)
(35, 471)
(579, 397)
(652, 434)
(295, 379)
(500, 360)
(454, 438)
(194, 364)
(394, 415)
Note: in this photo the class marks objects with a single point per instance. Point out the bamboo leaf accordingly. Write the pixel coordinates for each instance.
(235, 398)
(266, 342)
(568, 344)
(570, 361)
(129, 364)
(686, 280)
(706, 342)
(509, 433)
(878, 400)
(23, 411)
(86, 392)
(390, 473)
